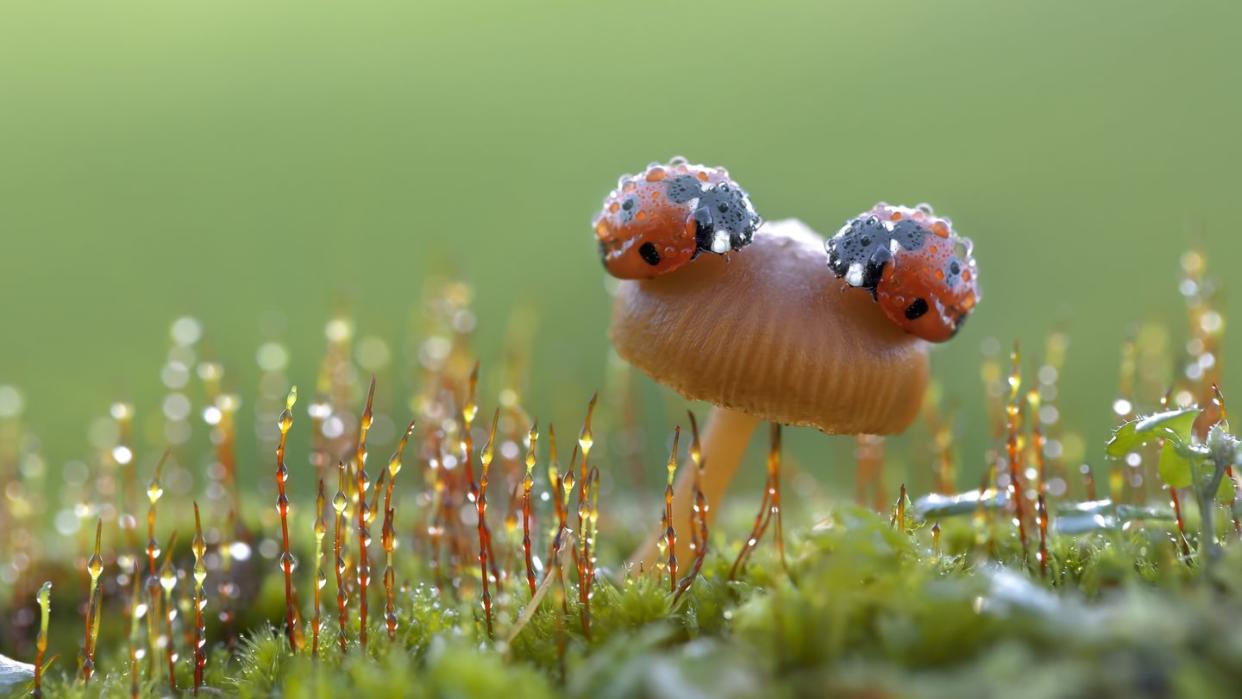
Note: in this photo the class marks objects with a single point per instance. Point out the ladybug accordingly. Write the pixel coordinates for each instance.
(663, 217)
(916, 267)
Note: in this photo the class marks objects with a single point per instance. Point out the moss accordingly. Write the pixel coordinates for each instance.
(865, 610)
(863, 605)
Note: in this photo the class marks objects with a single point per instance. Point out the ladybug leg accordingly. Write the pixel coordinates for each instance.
(739, 240)
(704, 230)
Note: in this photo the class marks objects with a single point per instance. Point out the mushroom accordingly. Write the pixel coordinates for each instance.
(769, 334)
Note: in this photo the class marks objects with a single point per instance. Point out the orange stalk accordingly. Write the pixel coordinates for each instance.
(390, 575)
(45, 609)
(318, 580)
(769, 508)
(1013, 452)
(339, 502)
(1041, 512)
(485, 461)
(439, 495)
(199, 546)
(364, 534)
(395, 463)
(593, 524)
(226, 449)
(700, 553)
(388, 536)
(588, 515)
(586, 439)
(284, 423)
(670, 531)
(94, 568)
(898, 520)
(554, 485)
(564, 489)
(469, 410)
(532, 440)
(134, 597)
(556, 561)
(168, 580)
(696, 460)
(698, 513)
(580, 560)
(154, 491)
(1041, 462)
(567, 481)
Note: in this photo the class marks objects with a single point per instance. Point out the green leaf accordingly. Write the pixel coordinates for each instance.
(1176, 423)
(1174, 467)
(1224, 494)
(1123, 441)
(1171, 424)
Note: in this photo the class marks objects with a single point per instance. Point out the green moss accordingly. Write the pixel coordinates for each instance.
(865, 608)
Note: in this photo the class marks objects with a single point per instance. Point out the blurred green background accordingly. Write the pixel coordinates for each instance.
(260, 165)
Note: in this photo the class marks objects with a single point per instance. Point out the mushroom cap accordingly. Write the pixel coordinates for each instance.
(772, 332)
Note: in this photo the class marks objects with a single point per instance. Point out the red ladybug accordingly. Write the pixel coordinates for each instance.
(916, 267)
(663, 217)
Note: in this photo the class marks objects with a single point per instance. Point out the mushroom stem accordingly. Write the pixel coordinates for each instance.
(724, 442)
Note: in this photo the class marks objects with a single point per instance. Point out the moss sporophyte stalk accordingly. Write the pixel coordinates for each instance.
(985, 567)
(284, 424)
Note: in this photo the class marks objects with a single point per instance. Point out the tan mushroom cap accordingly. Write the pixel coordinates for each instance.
(772, 332)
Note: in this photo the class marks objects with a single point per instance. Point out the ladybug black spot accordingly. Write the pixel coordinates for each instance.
(916, 309)
(650, 255)
(683, 189)
(909, 234)
(629, 208)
